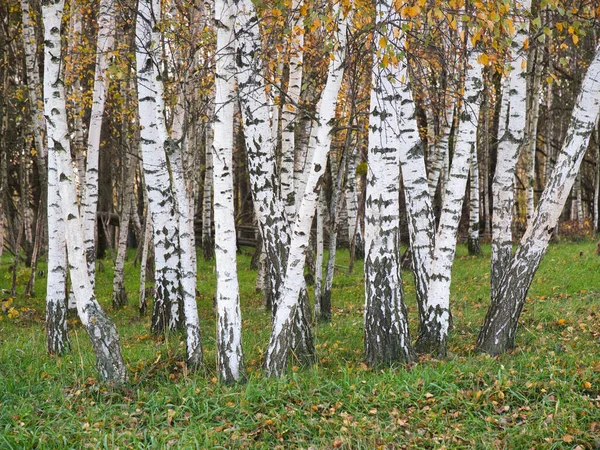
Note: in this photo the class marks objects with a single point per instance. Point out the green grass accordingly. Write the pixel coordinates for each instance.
(545, 394)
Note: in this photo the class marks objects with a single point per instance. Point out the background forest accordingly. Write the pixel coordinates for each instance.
(196, 166)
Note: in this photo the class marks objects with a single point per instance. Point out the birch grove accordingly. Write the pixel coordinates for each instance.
(287, 126)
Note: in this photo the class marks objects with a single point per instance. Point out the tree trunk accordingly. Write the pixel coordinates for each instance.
(168, 305)
(101, 330)
(104, 46)
(512, 127)
(319, 254)
(386, 335)
(260, 146)
(289, 112)
(474, 200)
(433, 330)
(499, 328)
(230, 358)
(208, 243)
(119, 297)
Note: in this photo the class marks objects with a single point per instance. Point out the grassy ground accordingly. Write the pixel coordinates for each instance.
(545, 394)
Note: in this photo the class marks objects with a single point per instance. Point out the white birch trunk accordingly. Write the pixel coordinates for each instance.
(56, 317)
(351, 192)
(534, 88)
(208, 244)
(104, 46)
(512, 127)
(433, 332)
(279, 345)
(100, 328)
(289, 112)
(168, 305)
(499, 329)
(260, 146)
(230, 360)
(56, 295)
(474, 201)
(119, 296)
(387, 338)
(319, 254)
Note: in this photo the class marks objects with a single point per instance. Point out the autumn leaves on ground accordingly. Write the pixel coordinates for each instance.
(544, 394)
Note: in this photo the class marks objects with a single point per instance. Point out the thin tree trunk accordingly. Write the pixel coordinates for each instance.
(597, 183)
(474, 201)
(208, 244)
(104, 46)
(119, 297)
(512, 126)
(168, 305)
(319, 254)
(100, 328)
(291, 301)
(230, 357)
(143, 304)
(289, 113)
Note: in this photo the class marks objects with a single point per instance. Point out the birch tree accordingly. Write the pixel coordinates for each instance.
(100, 328)
(56, 307)
(387, 337)
(230, 359)
(499, 329)
(104, 46)
(168, 199)
(512, 126)
(168, 306)
(260, 146)
(433, 330)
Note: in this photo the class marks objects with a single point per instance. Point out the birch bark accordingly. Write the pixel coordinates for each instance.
(433, 331)
(279, 345)
(168, 306)
(100, 328)
(387, 337)
(499, 329)
(512, 126)
(230, 358)
(289, 111)
(260, 146)
(104, 46)
(474, 201)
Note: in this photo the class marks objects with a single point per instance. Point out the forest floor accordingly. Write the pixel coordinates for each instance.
(544, 394)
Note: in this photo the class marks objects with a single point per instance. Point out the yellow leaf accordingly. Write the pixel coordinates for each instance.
(483, 59)
(523, 64)
(411, 11)
(575, 39)
(526, 43)
(385, 61)
(383, 42)
(559, 26)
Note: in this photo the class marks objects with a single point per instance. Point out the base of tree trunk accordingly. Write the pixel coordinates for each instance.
(119, 299)
(431, 340)
(499, 330)
(57, 339)
(474, 247)
(303, 345)
(325, 310)
(105, 342)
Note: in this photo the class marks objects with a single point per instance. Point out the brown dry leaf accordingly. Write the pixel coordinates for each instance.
(567, 438)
